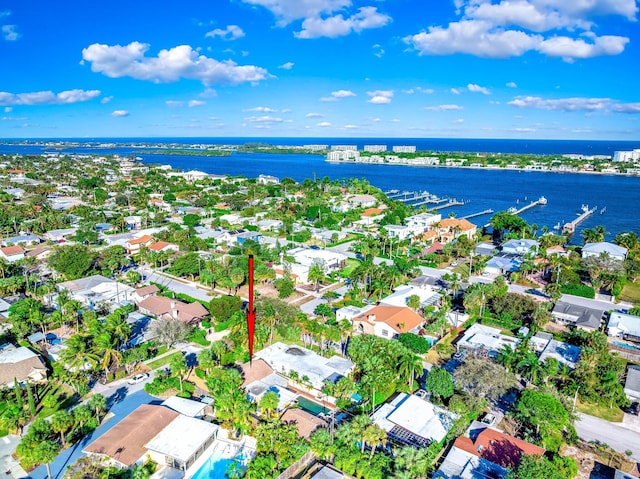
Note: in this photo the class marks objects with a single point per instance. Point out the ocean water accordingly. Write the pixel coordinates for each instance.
(618, 197)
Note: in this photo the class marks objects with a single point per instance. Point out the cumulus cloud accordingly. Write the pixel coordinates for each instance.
(263, 119)
(562, 104)
(478, 89)
(106, 99)
(313, 115)
(287, 66)
(119, 113)
(448, 107)
(174, 103)
(323, 124)
(455, 91)
(48, 97)
(10, 33)
(193, 103)
(627, 108)
(378, 50)
(339, 26)
(260, 109)
(510, 28)
(232, 32)
(286, 11)
(350, 127)
(380, 97)
(169, 66)
(511, 84)
(338, 95)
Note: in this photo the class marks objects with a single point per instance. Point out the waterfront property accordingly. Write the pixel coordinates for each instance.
(612, 250)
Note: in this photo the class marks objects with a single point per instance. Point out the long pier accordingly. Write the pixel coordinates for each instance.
(453, 202)
(480, 213)
(586, 212)
(540, 201)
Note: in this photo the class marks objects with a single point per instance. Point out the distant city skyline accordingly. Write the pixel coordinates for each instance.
(530, 69)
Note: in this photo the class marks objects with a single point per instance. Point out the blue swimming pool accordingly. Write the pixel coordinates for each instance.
(625, 345)
(312, 406)
(216, 466)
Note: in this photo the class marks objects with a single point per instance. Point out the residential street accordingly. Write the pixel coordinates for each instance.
(617, 437)
(173, 285)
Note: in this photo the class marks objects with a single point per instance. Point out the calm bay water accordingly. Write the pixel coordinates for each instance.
(481, 189)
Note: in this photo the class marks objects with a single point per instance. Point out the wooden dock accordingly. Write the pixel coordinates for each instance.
(480, 213)
(586, 212)
(453, 202)
(539, 202)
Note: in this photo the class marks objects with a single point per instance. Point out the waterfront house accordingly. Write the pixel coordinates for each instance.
(414, 421)
(11, 254)
(520, 246)
(421, 222)
(450, 229)
(362, 201)
(632, 383)
(268, 180)
(21, 364)
(624, 326)
(612, 250)
(388, 321)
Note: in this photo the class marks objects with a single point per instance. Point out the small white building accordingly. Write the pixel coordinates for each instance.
(624, 326)
(479, 336)
(596, 249)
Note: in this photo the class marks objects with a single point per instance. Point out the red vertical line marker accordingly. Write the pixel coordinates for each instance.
(251, 313)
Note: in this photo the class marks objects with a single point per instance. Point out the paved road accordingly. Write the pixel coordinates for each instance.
(8, 464)
(617, 437)
(173, 285)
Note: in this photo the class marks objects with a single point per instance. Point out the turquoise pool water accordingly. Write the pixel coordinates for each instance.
(311, 406)
(216, 467)
(625, 345)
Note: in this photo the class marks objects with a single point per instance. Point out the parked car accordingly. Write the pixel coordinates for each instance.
(634, 409)
(138, 378)
(536, 292)
(488, 419)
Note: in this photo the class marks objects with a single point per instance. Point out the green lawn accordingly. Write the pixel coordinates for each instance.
(611, 414)
(163, 361)
(631, 293)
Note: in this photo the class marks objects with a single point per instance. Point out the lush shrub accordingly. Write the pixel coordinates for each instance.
(198, 336)
(415, 343)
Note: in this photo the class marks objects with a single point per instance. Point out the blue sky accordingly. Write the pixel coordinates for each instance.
(526, 69)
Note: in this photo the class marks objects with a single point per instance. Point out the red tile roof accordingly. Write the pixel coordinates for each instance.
(11, 250)
(141, 240)
(168, 308)
(399, 318)
(498, 447)
(159, 245)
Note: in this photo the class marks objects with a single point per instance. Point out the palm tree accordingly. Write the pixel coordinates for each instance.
(61, 422)
(78, 354)
(315, 275)
(374, 435)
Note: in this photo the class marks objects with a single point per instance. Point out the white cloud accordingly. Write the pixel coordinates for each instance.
(458, 120)
(478, 89)
(562, 104)
(510, 28)
(455, 91)
(411, 91)
(169, 66)
(313, 115)
(338, 26)
(511, 84)
(232, 32)
(449, 107)
(9, 33)
(119, 113)
(263, 119)
(338, 94)
(286, 11)
(323, 124)
(174, 103)
(627, 108)
(350, 127)
(106, 99)
(48, 97)
(380, 97)
(287, 66)
(261, 109)
(378, 50)
(209, 93)
(524, 129)
(193, 103)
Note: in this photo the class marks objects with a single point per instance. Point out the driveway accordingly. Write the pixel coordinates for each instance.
(121, 404)
(8, 464)
(617, 437)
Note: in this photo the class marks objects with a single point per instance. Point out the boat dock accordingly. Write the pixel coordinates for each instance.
(586, 212)
(452, 202)
(473, 215)
(539, 202)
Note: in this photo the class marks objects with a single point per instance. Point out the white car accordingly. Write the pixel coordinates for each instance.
(138, 378)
